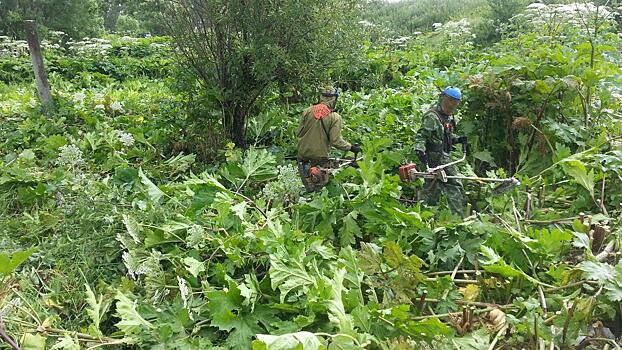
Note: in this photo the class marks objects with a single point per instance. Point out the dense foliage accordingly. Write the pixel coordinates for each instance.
(124, 223)
(239, 49)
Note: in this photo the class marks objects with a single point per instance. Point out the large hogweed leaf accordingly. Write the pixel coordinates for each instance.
(354, 273)
(155, 194)
(288, 272)
(336, 310)
(229, 314)
(598, 271)
(131, 321)
(254, 165)
(97, 307)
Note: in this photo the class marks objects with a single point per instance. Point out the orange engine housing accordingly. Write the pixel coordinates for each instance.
(404, 169)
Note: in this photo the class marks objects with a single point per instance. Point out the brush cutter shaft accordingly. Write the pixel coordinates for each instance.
(440, 175)
(443, 166)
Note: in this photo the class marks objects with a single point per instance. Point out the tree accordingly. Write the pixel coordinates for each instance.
(240, 48)
(500, 13)
(77, 18)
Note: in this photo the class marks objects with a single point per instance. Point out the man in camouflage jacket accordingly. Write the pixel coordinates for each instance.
(433, 144)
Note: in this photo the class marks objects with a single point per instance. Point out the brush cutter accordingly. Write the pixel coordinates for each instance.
(337, 163)
(410, 173)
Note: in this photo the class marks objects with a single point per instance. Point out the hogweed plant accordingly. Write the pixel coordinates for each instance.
(70, 156)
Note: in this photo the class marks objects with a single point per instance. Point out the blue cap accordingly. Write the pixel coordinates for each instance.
(453, 92)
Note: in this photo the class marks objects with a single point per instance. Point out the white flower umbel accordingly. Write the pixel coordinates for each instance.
(117, 107)
(79, 97)
(126, 138)
(98, 96)
(70, 156)
(286, 186)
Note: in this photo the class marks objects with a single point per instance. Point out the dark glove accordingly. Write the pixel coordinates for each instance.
(465, 144)
(423, 158)
(356, 148)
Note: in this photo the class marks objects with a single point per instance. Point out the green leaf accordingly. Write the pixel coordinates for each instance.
(94, 307)
(33, 342)
(291, 341)
(239, 209)
(474, 341)
(580, 226)
(350, 230)
(123, 175)
(152, 190)
(245, 328)
(194, 266)
(590, 77)
(257, 165)
(581, 240)
(504, 270)
(578, 171)
(597, 271)
(396, 259)
(241, 325)
(354, 275)
(427, 329)
(552, 241)
(485, 156)
(288, 273)
(542, 87)
(131, 321)
(250, 290)
(9, 262)
(66, 343)
(54, 142)
(369, 258)
(561, 152)
(341, 342)
(362, 318)
(489, 254)
(27, 154)
(133, 228)
(205, 179)
(336, 311)
(613, 287)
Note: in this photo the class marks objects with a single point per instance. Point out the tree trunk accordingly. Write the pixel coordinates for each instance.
(41, 78)
(234, 119)
(112, 15)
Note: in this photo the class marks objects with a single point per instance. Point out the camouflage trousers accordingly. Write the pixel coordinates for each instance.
(436, 191)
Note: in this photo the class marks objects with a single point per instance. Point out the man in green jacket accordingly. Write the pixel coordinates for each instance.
(434, 142)
(318, 131)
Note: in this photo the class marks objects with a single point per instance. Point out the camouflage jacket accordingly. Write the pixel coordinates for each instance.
(434, 138)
